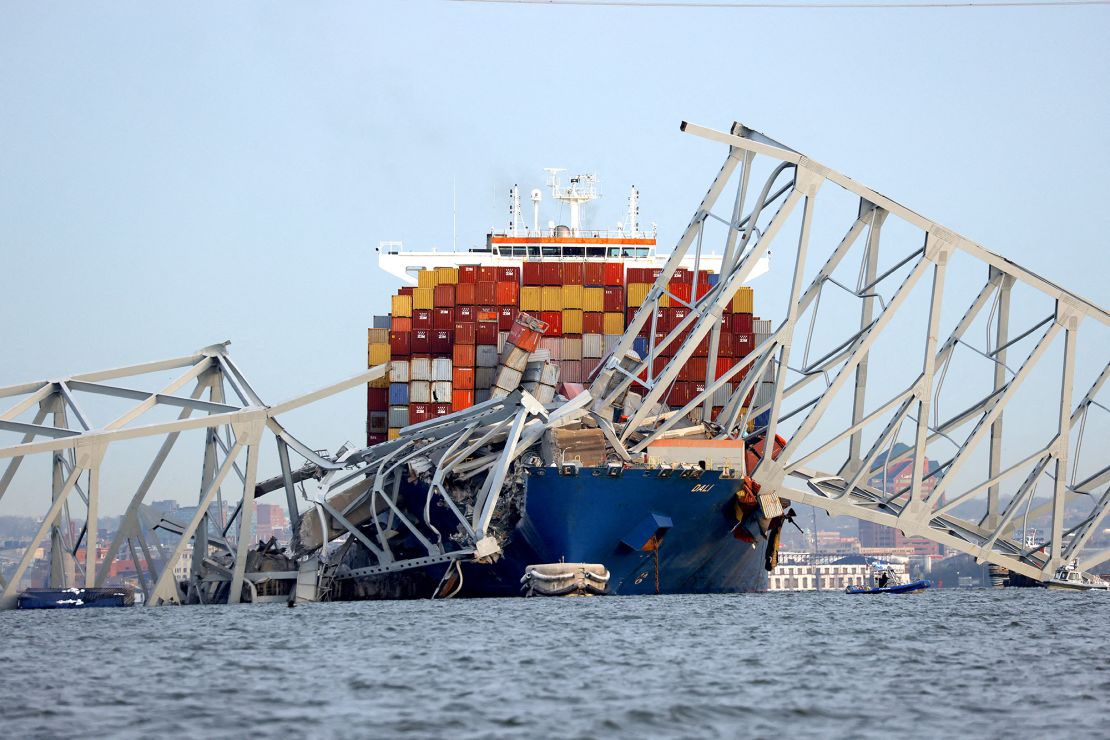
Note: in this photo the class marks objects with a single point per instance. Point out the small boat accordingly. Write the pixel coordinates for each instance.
(1068, 577)
(901, 588)
(76, 598)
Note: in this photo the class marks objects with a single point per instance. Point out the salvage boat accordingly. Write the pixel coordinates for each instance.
(535, 311)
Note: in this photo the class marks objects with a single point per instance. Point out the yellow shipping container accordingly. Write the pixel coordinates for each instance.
(552, 298)
(531, 298)
(402, 306)
(378, 354)
(426, 279)
(593, 299)
(382, 382)
(377, 336)
(743, 300)
(447, 276)
(572, 296)
(424, 298)
(393, 434)
(636, 294)
(572, 321)
(613, 323)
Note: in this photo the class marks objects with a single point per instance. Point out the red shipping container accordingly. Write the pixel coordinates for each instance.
(702, 350)
(645, 330)
(421, 341)
(486, 314)
(614, 299)
(461, 399)
(506, 317)
(523, 336)
(657, 367)
(377, 399)
(676, 316)
(422, 318)
(593, 274)
(400, 343)
(552, 273)
(375, 439)
(694, 369)
(444, 296)
(487, 292)
(486, 332)
(441, 342)
(680, 395)
(461, 377)
(703, 289)
(614, 273)
(487, 274)
(533, 273)
(741, 323)
(508, 293)
(508, 275)
(468, 274)
(573, 273)
(401, 323)
(726, 345)
(419, 412)
(554, 321)
(593, 322)
(681, 291)
(407, 290)
(463, 355)
(682, 275)
(443, 319)
(466, 313)
(466, 332)
(466, 294)
(743, 343)
(441, 409)
(703, 276)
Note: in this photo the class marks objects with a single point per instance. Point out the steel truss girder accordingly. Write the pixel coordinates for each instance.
(934, 502)
(79, 449)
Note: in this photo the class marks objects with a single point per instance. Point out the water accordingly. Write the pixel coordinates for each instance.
(1026, 663)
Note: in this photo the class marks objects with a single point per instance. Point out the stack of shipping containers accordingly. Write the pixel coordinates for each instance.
(444, 337)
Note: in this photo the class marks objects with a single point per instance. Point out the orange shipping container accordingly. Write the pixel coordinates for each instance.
(466, 294)
(462, 378)
(508, 293)
(461, 399)
(444, 296)
(463, 355)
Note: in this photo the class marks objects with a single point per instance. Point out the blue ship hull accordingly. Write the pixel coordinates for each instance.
(617, 522)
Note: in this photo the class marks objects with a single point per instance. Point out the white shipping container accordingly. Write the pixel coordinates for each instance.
(399, 371)
(483, 377)
(572, 348)
(398, 417)
(761, 326)
(722, 394)
(544, 393)
(514, 357)
(502, 339)
(508, 379)
(764, 394)
(593, 345)
(554, 346)
(420, 391)
(540, 355)
(441, 391)
(611, 342)
(420, 368)
(486, 355)
(550, 374)
(441, 369)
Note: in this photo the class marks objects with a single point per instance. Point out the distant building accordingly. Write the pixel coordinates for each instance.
(898, 475)
(271, 522)
(799, 572)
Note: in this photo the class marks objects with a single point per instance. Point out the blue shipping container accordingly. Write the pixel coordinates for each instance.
(398, 394)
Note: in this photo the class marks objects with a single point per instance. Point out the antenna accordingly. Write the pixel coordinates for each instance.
(581, 190)
(633, 209)
(514, 210)
(537, 196)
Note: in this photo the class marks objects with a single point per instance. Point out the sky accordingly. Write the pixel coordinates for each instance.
(173, 176)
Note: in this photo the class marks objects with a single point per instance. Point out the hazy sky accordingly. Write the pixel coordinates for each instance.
(173, 176)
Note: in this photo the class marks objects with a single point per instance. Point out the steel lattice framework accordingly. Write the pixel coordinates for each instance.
(969, 497)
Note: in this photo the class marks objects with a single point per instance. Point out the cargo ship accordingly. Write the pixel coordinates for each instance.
(654, 526)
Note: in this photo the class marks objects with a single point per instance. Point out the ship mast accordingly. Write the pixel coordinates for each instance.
(581, 190)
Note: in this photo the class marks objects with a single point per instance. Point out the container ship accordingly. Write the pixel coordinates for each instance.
(558, 299)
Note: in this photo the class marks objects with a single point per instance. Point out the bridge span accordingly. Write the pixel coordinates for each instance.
(895, 344)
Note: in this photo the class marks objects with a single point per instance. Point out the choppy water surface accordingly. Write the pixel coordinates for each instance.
(1025, 663)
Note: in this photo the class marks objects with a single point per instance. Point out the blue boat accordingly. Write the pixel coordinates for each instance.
(903, 588)
(76, 598)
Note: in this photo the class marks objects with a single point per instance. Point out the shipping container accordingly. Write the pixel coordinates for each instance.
(406, 290)
(447, 275)
(486, 332)
(466, 333)
(487, 273)
(593, 273)
(613, 323)
(377, 354)
(393, 434)
(531, 298)
(381, 322)
(426, 278)
(572, 347)
(637, 294)
(487, 293)
(593, 299)
(377, 399)
(572, 273)
(462, 377)
(398, 416)
(552, 273)
(502, 337)
(377, 422)
(533, 273)
(422, 318)
(486, 355)
(441, 368)
(376, 439)
(419, 412)
(526, 332)
(424, 298)
(570, 371)
(761, 326)
(443, 319)
(400, 323)
(420, 368)
(726, 345)
(398, 393)
(593, 322)
(508, 294)
(463, 355)
(444, 296)
(466, 294)
(592, 345)
(462, 399)
(377, 336)
(466, 313)
(441, 391)
(694, 369)
(589, 367)
(420, 391)
(483, 378)
(421, 341)
(507, 379)
(506, 317)
(401, 305)
(551, 299)
(572, 321)
(442, 342)
(400, 343)
(514, 357)
(742, 323)
(682, 275)
(573, 296)
(742, 300)
(399, 371)
(468, 274)
(681, 291)
(554, 321)
(509, 274)
(552, 345)
(614, 299)
(743, 344)
(611, 342)
(614, 273)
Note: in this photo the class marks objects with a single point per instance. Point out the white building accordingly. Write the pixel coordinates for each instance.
(796, 572)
